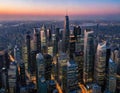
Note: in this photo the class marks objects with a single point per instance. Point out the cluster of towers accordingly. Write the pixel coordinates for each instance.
(62, 60)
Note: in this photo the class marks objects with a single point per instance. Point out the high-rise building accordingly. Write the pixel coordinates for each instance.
(77, 31)
(88, 56)
(17, 54)
(66, 34)
(79, 59)
(40, 67)
(43, 36)
(96, 88)
(22, 74)
(100, 64)
(12, 77)
(112, 76)
(72, 76)
(62, 65)
(72, 44)
(42, 85)
(28, 44)
(48, 66)
(37, 40)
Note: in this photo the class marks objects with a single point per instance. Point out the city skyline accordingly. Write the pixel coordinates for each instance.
(56, 9)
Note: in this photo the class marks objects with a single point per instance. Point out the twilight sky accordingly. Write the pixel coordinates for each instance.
(56, 9)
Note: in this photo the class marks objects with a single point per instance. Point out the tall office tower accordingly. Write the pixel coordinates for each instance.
(100, 64)
(12, 77)
(77, 31)
(79, 59)
(96, 88)
(48, 66)
(25, 56)
(40, 67)
(37, 40)
(66, 34)
(88, 56)
(28, 50)
(112, 76)
(72, 44)
(51, 86)
(33, 63)
(17, 54)
(72, 76)
(42, 85)
(22, 74)
(43, 36)
(79, 44)
(55, 45)
(62, 60)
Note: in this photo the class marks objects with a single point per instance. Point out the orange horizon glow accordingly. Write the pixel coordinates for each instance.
(57, 11)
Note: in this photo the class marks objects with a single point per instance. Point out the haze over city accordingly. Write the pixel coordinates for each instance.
(57, 9)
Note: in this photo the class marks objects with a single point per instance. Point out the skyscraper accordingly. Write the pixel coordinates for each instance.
(48, 66)
(37, 40)
(28, 49)
(72, 76)
(17, 54)
(40, 68)
(77, 31)
(72, 44)
(100, 64)
(22, 74)
(66, 34)
(112, 76)
(43, 34)
(88, 56)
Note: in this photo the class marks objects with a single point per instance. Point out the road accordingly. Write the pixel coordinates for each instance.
(84, 90)
(57, 85)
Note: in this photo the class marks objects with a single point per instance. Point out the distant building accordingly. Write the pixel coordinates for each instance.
(40, 67)
(43, 34)
(88, 56)
(79, 59)
(62, 65)
(72, 44)
(37, 40)
(112, 76)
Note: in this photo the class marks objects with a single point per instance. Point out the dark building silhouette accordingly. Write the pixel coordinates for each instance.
(77, 31)
(22, 74)
(66, 34)
(48, 66)
(28, 49)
